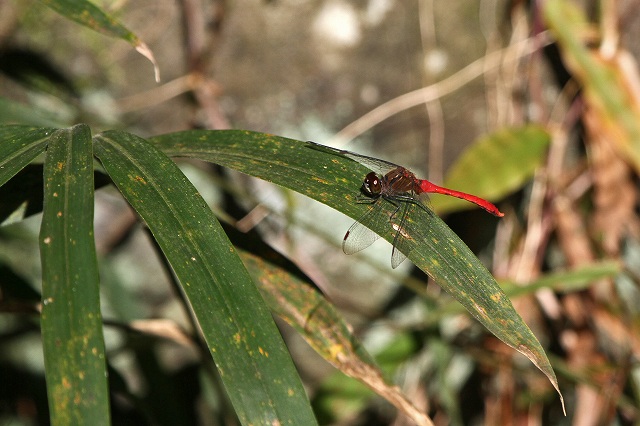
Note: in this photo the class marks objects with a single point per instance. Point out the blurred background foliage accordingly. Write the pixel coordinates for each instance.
(415, 82)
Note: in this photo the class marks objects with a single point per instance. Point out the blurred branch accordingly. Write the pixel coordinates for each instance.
(437, 90)
(200, 44)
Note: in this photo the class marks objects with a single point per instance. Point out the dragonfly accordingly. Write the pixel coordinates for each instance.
(404, 191)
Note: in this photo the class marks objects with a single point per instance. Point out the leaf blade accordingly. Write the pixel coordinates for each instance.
(245, 344)
(73, 343)
(20, 145)
(91, 16)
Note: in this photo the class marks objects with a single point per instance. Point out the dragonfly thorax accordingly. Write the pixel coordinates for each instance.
(371, 185)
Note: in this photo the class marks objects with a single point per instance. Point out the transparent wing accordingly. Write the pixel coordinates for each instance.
(402, 238)
(359, 236)
(375, 164)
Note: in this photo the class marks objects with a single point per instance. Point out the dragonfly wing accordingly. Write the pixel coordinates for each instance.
(402, 238)
(397, 257)
(360, 236)
(375, 164)
(357, 238)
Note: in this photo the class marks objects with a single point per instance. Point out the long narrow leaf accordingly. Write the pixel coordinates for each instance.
(253, 361)
(20, 145)
(91, 16)
(71, 321)
(335, 181)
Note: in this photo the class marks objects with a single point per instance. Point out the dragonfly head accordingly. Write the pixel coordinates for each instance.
(371, 185)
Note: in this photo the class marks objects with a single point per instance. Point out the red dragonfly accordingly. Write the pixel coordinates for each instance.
(403, 190)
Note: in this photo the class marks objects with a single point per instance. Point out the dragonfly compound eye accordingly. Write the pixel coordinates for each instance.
(371, 184)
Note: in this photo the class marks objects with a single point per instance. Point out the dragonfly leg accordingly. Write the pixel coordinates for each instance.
(407, 199)
(395, 211)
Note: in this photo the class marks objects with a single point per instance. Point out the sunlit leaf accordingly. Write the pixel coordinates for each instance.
(495, 166)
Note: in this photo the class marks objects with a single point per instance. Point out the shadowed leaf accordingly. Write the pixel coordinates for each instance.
(253, 362)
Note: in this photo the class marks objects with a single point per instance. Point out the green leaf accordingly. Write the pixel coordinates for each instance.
(335, 181)
(73, 344)
(20, 145)
(608, 91)
(495, 166)
(89, 15)
(246, 346)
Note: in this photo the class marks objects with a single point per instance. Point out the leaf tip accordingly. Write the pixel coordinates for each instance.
(543, 365)
(145, 51)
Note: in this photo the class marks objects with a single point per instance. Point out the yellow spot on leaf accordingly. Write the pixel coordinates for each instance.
(334, 350)
(480, 310)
